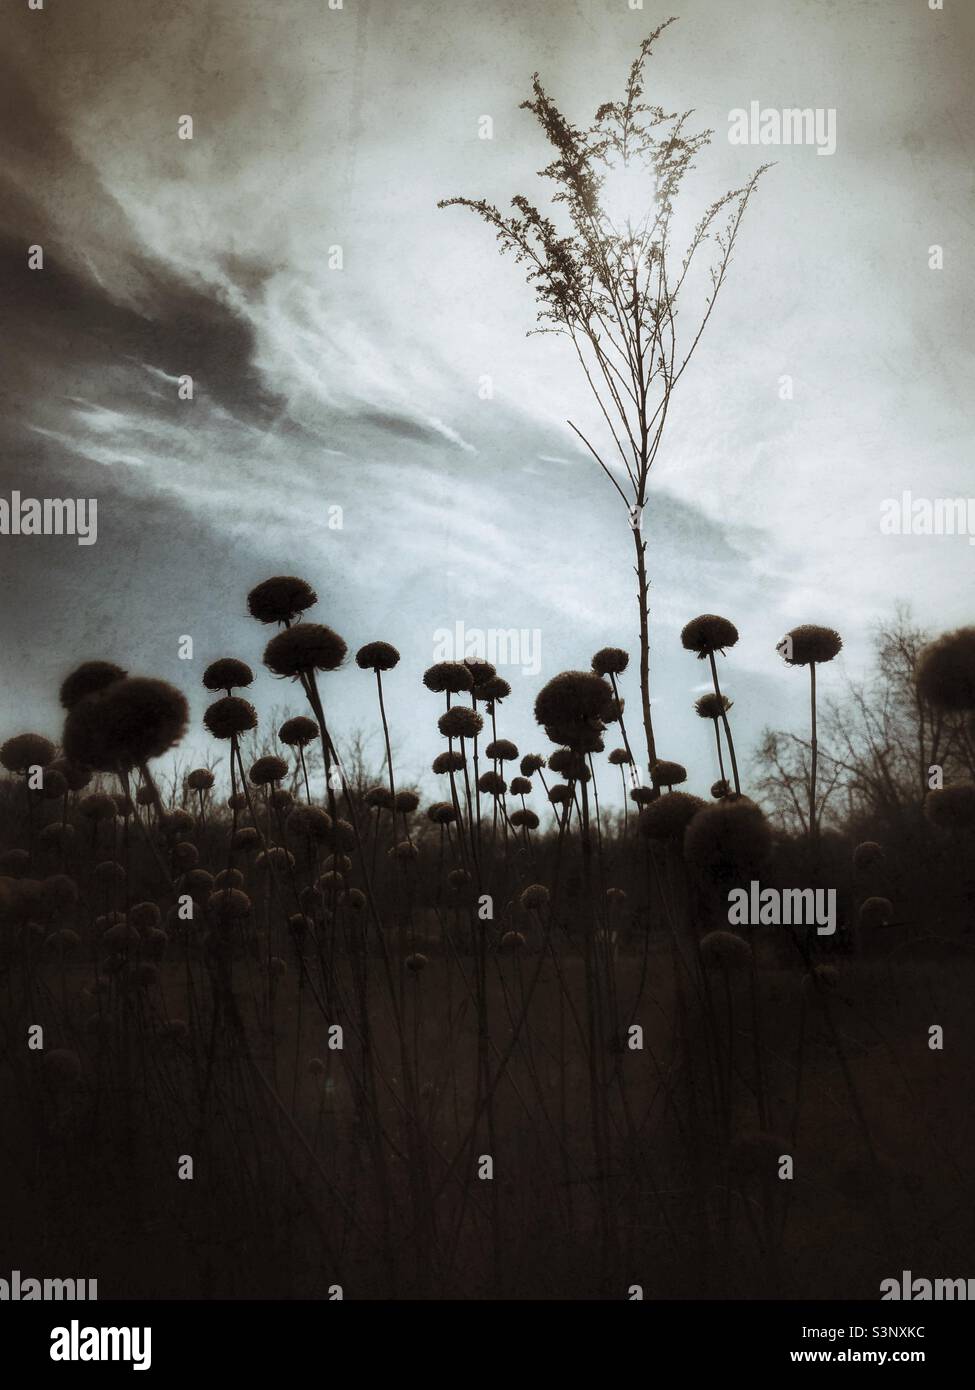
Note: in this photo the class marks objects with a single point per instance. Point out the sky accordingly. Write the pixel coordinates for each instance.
(355, 395)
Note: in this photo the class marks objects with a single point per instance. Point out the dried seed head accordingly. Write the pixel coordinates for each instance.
(298, 731)
(280, 599)
(665, 774)
(452, 676)
(708, 634)
(267, 771)
(667, 817)
(728, 839)
(610, 661)
(712, 706)
(535, 897)
(86, 679)
(501, 750)
(25, 751)
(304, 648)
(377, 656)
(226, 673)
(946, 671)
(531, 763)
(460, 722)
(809, 645)
(125, 724)
(451, 761)
(200, 779)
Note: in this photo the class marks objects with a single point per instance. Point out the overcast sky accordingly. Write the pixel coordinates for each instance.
(358, 388)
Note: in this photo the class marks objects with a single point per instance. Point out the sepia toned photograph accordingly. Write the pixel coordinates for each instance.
(487, 802)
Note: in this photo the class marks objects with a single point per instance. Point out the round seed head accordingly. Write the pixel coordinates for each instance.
(25, 751)
(535, 897)
(460, 722)
(729, 838)
(876, 912)
(226, 673)
(810, 645)
(952, 807)
(125, 724)
(610, 661)
(665, 774)
(200, 779)
(532, 763)
(86, 679)
(452, 676)
(268, 770)
(946, 671)
(298, 731)
(280, 599)
(712, 706)
(708, 633)
(667, 817)
(304, 648)
(451, 761)
(230, 717)
(377, 656)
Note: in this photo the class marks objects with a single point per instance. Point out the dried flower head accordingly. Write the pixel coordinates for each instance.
(531, 763)
(280, 799)
(406, 802)
(668, 817)
(946, 671)
(175, 823)
(460, 722)
(513, 941)
(526, 818)
(712, 706)
(379, 797)
(520, 786)
(535, 897)
(268, 770)
(458, 878)
(229, 878)
(501, 750)
(125, 724)
(145, 915)
(729, 838)
(574, 698)
(441, 813)
(86, 679)
(97, 806)
(708, 634)
(200, 779)
(376, 656)
(298, 731)
(280, 599)
(246, 838)
(876, 912)
(230, 717)
(559, 794)
(481, 671)
(952, 807)
(665, 774)
(720, 788)
(451, 761)
(76, 775)
(451, 676)
(275, 859)
(310, 823)
(809, 645)
(867, 855)
(25, 751)
(619, 757)
(492, 784)
(616, 897)
(643, 795)
(494, 689)
(304, 648)
(227, 673)
(54, 786)
(610, 661)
